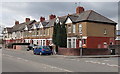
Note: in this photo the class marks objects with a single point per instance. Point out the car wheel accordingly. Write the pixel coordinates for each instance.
(27, 49)
(49, 54)
(40, 53)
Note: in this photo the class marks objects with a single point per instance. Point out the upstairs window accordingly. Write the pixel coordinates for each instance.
(69, 29)
(73, 28)
(105, 31)
(44, 32)
(80, 28)
(40, 32)
(37, 33)
(48, 31)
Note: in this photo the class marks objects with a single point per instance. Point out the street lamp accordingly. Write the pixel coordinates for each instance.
(81, 45)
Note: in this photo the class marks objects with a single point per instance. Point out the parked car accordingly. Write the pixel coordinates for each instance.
(31, 47)
(42, 50)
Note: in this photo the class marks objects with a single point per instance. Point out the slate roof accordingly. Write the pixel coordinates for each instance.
(45, 23)
(21, 26)
(90, 15)
(9, 29)
(37, 24)
(51, 22)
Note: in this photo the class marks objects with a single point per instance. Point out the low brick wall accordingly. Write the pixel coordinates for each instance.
(69, 51)
(76, 51)
(20, 47)
(96, 52)
(117, 42)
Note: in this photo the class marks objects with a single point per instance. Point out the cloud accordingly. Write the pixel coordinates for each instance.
(12, 11)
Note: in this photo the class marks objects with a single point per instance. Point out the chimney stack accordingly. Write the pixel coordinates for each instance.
(79, 10)
(52, 16)
(16, 22)
(27, 19)
(42, 19)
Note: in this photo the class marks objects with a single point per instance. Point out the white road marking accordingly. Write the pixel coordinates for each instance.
(25, 60)
(103, 63)
(45, 66)
(112, 65)
(19, 58)
(87, 61)
(106, 60)
(58, 68)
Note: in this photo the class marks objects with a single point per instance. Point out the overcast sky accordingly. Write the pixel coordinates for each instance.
(12, 11)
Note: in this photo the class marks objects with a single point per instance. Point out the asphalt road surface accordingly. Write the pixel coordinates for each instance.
(25, 61)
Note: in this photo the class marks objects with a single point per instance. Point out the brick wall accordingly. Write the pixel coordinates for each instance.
(68, 51)
(20, 47)
(117, 42)
(76, 51)
(96, 52)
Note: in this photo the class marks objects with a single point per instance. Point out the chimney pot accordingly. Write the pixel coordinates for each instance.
(42, 19)
(79, 10)
(52, 16)
(27, 19)
(16, 22)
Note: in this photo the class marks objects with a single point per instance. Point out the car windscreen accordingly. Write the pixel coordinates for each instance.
(46, 47)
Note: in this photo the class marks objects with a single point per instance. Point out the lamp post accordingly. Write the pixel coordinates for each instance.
(81, 45)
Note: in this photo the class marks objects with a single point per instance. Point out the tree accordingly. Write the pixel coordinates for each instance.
(63, 36)
(59, 35)
(54, 40)
(54, 37)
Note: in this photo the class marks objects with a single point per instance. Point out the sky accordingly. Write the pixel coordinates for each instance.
(12, 11)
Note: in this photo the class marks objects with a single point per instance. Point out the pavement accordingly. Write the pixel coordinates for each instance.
(89, 56)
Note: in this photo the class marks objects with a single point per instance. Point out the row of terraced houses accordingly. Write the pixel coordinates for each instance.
(88, 27)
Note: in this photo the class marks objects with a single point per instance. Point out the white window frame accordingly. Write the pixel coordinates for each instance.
(74, 28)
(80, 28)
(105, 31)
(72, 44)
(69, 29)
(48, 31)
(69, 43)
(41, 32)
(44, 32)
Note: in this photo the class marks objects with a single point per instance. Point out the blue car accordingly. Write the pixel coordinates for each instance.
(42, 50)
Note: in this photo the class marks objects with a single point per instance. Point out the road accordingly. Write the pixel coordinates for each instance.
(25, 61)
